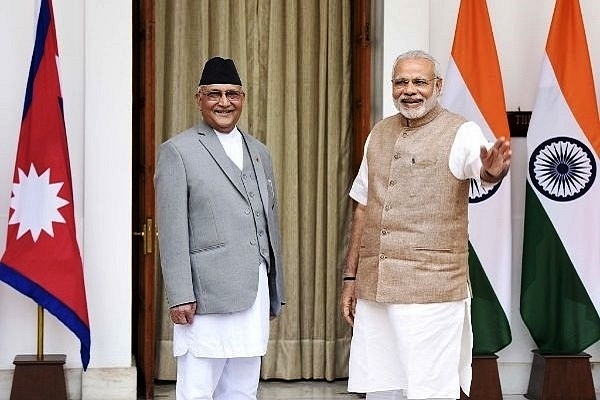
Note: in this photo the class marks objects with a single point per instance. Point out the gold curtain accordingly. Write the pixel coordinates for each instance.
(294, 60)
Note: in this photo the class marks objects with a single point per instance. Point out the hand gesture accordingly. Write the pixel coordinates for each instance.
(495, 161)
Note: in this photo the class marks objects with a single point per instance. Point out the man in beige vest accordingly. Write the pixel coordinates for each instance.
(405, 282)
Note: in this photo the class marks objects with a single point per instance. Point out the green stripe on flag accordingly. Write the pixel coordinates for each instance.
(491, 331)
(555, 305)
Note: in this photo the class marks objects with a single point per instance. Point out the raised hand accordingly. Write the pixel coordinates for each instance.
(496, 160)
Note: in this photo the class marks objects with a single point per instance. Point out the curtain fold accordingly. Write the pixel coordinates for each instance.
(294, 61)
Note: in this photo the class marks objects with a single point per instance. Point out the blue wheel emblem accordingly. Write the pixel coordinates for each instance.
(478, 193)
(562, 168)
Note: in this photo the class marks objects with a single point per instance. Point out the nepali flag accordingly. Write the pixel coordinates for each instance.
(42, 258)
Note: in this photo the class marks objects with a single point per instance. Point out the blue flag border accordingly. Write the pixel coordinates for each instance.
(49, 302)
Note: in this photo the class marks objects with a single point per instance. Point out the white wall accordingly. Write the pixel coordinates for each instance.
(520, 31)
(94, 41)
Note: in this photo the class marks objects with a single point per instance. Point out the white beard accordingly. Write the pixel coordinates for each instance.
(414, 113)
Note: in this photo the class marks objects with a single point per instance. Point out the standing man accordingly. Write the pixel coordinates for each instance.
(405, 282)
(219, 241)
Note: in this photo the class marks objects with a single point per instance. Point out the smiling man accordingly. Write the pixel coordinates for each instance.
(405, 281)
(219, 242)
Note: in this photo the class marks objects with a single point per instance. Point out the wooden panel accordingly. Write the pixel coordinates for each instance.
(144, 235)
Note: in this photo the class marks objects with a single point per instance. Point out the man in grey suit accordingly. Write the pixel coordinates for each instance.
(219, 242)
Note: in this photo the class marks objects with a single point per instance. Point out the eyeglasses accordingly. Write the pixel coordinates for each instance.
(216, 95)
(402, 83)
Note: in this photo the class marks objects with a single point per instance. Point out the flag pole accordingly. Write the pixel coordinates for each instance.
(40, 333)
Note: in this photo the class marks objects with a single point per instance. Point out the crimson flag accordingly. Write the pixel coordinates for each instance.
(42, 258)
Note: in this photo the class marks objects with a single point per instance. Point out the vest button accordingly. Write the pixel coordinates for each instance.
(383, 232)
(396, 156)
(387, 207)
(382, 257)
(392, 183)
(252, 242)
(251, 194)
(247, 211)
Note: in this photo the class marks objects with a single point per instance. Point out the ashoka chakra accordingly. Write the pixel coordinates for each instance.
(562, 168)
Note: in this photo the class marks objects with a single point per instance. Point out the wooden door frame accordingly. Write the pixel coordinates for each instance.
(361, 78)
(143, 219)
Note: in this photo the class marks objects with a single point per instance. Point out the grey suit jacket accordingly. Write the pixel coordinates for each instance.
(203, 227)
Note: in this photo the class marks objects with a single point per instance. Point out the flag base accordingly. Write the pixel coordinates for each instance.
(485, 384)
(39, 378)
(561, 377)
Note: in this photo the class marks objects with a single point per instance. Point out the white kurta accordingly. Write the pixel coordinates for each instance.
(423, 349)
(238, 334)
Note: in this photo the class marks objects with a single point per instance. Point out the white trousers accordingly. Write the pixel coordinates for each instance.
(392, 395)
(200, 378)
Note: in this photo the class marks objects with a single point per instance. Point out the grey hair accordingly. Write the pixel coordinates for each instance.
(421, 55)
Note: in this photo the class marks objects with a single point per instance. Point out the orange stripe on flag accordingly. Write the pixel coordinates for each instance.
(474, 53)
(568, 53)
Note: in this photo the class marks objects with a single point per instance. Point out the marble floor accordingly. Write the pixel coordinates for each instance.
(284, 390)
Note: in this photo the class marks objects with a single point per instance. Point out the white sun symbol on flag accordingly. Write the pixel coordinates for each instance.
(36, 203)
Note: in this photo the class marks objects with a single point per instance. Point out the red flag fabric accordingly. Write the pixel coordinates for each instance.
(42, 258)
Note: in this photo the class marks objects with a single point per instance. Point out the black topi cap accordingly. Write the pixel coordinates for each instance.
(219, 70)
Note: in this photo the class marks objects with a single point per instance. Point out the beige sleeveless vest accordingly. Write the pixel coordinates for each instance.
(414, 246)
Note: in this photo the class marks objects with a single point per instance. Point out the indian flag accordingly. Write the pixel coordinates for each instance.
(560, 284)
(473, 88)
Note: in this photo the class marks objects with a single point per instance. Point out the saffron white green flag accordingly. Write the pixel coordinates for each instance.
(473, 89)
(560, 283)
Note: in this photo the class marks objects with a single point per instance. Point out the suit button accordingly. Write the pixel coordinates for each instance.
(252, 242)
(247, 211)
(382, 257)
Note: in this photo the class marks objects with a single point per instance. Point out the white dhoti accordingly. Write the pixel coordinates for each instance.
(422, 349)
